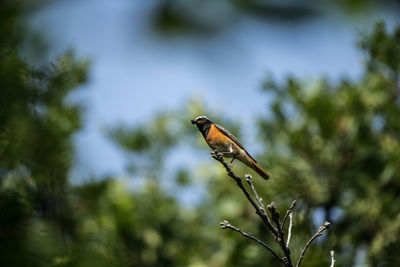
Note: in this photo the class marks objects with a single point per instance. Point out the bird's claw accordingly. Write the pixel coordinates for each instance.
(216, 155)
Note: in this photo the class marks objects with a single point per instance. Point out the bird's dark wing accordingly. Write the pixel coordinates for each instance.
(232, 137)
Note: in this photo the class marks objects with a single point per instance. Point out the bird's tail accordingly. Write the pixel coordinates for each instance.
(253, 164)
(260, 171)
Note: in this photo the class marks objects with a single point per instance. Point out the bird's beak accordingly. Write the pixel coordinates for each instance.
(193, 122)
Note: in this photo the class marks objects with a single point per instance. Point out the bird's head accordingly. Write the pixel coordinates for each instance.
(201, 120)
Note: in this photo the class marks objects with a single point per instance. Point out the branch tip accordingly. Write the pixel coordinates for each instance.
(249, 179)
(289, 211)
(317, 234)
(274, 213)
(225, 224)
(271, 206)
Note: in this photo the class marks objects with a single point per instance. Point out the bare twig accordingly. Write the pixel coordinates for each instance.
(290, 210)
(289, 228)
(226, 225)
(264, 217)
(289, 213)
(332, 258)
(281, 235)
(317, 234)
(249, 180)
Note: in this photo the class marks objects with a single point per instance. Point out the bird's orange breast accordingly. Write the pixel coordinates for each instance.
(217, 140)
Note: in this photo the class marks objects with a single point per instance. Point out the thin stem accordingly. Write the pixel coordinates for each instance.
(226, 225)
(332, 258)
(317, 234)
(249, 180)
(289, 228)
(290, 210)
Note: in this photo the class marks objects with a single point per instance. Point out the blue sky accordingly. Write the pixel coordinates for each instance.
(136, 72)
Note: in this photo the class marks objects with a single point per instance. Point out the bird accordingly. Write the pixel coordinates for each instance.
(220, 139)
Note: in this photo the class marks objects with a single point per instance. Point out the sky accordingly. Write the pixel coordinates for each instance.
(135, 72)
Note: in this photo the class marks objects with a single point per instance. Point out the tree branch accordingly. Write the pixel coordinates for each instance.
(277, 230)
(319, 232)
(281, 235)
(226, 225)
(264, 217)
(249, 180)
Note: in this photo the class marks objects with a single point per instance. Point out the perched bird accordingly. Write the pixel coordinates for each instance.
(220, 139)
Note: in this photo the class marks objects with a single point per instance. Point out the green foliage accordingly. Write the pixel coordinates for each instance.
(340, 143)
(144, 229)
(150, 142)
(333, 146)
(36, 126)
(206, 18)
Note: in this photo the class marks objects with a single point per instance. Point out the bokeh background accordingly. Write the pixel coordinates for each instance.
(100, 166)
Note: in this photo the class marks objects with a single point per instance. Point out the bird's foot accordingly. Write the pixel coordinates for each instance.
(216, 154)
